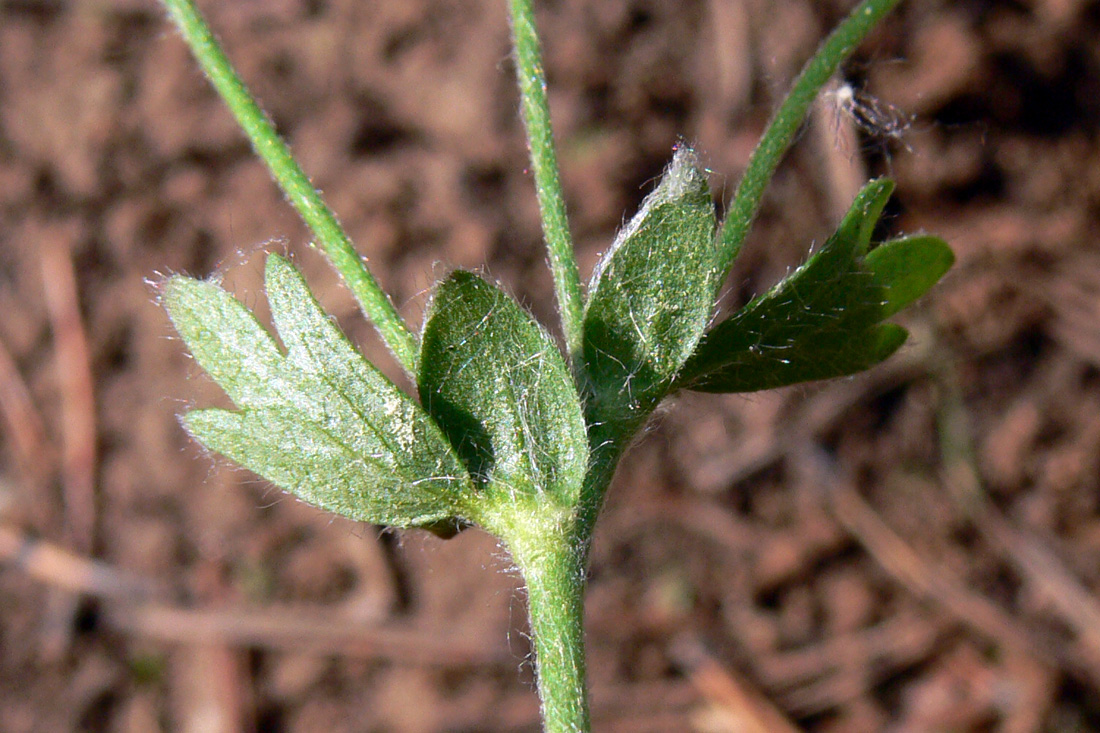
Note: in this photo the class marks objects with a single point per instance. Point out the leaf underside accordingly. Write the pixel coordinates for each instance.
(318, 421)
(825, 319)
(497, 384)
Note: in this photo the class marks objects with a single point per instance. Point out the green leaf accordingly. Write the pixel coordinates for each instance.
(859, 223)
(652, 294)
(226, 340)
(908, 267)
(320, 422)
(499, 387)
(824, 319)
(835, 353)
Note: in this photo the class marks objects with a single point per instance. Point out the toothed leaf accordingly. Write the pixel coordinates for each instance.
(824, 319)
(652, 294)
(497, 384)
(320, 421)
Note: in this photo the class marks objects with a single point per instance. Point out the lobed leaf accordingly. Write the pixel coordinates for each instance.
(823, 320)
(320, 421)
(226, 340)
(652, 294)
(907, 268)
(499, 387)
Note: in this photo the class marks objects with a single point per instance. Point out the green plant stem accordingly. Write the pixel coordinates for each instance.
(788, 118)
(553, 570)
(373, 301)
(609, 449)
(544, 166)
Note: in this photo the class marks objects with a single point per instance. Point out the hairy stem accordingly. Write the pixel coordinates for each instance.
(544, 165)
(784, 125)
(553, 570)
(609, 447)
(297, 187)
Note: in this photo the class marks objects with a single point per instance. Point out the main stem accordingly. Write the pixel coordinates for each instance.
(373, 301)
(553, 570)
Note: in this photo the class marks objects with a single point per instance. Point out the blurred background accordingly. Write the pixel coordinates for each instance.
(913, 549)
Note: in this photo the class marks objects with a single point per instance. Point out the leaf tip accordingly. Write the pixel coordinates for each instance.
(180, 296)
(866, 210)
(889, 337)
(683, 177)
(276, 264)
(907, 268)
(200, 425)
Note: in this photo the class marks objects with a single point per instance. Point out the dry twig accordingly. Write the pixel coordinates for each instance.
(308, 630)
(1035, 562)
(747, 709)
(131, 607)
(838, 670)
(77, 392)
(24, 424)
(60, 568)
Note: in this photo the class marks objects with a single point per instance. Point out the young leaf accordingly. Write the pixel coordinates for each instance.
(823, 320)
(652, 293)
(320, 422)
(499, 387)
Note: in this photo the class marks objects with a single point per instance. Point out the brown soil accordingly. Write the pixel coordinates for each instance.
(914, 549)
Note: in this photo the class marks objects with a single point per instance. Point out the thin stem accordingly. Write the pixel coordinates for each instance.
(610, 443)
(373, 301)
(544, 165)
(784, 125)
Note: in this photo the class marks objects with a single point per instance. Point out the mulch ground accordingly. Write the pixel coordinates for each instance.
(913, 549)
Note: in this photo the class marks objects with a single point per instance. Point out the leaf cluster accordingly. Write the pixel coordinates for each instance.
(503, 421)
(504, 430)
